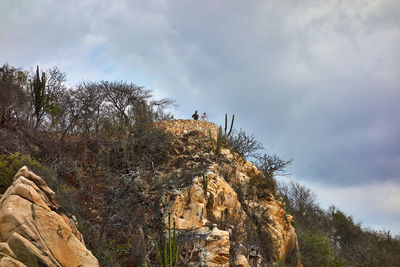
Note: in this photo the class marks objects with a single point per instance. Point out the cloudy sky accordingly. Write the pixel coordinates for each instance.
(314, 81)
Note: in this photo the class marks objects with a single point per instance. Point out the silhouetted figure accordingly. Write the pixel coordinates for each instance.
(195, 116)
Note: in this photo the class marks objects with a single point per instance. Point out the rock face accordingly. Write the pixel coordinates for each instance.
(226, 230)
(32, 233)
(225, 210)
(182, 127)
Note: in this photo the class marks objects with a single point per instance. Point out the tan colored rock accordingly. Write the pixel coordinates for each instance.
(217, 248)
(204, 213)
(235, 220)
(216, 221)
(182, 127)
(5, 248)
(7, 261)
(32, 233)
(28, 253)
(241, 261)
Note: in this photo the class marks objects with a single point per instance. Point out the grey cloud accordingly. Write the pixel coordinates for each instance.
(316, 81)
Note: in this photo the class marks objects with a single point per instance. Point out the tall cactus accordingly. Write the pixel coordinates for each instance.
(219, 140)
(38, 93)
(205, 184)
(226, 127)
(218, 143)
(212, 141)
(167, 255)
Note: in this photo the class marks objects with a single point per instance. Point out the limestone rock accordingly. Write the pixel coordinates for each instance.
(224, 215)
(218, 222)
(182, 127)
(241, 261)
(32, 233)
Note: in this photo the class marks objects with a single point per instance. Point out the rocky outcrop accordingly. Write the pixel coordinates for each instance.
(227, 230)
(32, 233)
(181, 127)
(224, 209)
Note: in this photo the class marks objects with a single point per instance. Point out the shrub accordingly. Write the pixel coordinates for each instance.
(272, 165)
(10, 164)
(244, 144)
(315, 250)
(110, 252)
(263, 185)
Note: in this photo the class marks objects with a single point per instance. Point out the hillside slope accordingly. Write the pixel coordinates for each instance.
(226, 214)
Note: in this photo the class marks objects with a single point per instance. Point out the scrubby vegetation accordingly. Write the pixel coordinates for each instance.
(93, 140)
(332, 238)
(10, 164)
(326, 237)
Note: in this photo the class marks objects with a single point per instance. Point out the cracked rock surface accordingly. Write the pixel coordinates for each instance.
(32, 232)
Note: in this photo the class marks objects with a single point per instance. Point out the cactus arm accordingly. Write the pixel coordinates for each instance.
(165, 252)
(230, 130)
(158, 252)
(169, 240)
(211, 140)
(226, 123)
(219, 140)
(177, 253)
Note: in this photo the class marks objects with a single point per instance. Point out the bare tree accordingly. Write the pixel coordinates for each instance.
(131, 102)
(14, 97)
(272, 165)
(244, 144)
(123, 97)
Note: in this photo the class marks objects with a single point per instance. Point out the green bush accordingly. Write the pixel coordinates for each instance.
(110, 252)
(315, 250)
(10, 164)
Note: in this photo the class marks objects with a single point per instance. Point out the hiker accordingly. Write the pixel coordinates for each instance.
(204, 117)
(195, 116)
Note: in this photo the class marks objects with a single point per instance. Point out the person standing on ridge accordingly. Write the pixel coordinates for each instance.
(204, 117)
(195, 116)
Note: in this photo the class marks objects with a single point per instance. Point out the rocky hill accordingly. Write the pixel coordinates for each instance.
(227, 213)
(224, 209)
(33, 232)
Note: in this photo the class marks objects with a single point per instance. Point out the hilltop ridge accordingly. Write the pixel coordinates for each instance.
(181, 127)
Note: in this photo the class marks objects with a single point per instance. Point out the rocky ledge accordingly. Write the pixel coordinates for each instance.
(32, 232)
(181, 127)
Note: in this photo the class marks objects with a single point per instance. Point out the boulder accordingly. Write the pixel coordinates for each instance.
(33, 232)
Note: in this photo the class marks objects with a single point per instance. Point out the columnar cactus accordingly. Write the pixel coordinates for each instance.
(38, 94)
(219, 140)
(205, 184)
(226, 127)
(168, 254)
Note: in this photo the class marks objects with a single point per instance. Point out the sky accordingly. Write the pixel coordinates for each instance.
(315, 81)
